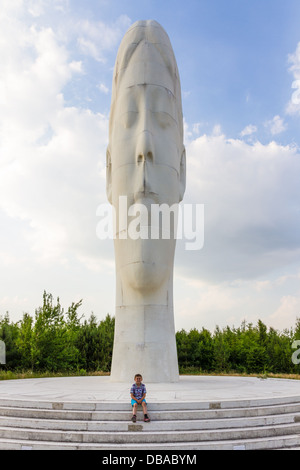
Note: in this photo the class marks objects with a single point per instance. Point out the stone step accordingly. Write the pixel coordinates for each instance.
(111, 415)
(153, 426)
(139, 436)
(291, 441)
(253, 423)
(155, 406)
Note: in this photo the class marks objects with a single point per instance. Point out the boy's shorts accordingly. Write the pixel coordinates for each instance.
(134, 401)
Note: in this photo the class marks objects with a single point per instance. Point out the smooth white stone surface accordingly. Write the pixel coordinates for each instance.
(145, 164)
(189, 389)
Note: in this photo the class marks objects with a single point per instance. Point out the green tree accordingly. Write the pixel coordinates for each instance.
(95, 343)
(24, 341)
(221, 351)
(183, 350)
(53, 338)
(256, 359)
(9, 334)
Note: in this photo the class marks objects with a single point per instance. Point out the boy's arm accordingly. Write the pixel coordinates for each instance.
(131, 393)
(144, 396)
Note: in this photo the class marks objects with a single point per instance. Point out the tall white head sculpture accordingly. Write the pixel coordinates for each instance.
(145, 167)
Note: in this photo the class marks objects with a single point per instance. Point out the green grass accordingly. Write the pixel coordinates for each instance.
(9, 375)
(262, 375)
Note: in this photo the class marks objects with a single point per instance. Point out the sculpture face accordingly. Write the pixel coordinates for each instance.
(145, 167)
(146, 162)
(145, 146)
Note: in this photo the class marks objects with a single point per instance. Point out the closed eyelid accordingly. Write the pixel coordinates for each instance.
(166, 114)
(152, 111)
(163, 106)
(127, 118)
(125, 113)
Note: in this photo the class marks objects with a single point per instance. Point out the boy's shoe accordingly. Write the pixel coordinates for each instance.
(133, 419)
(146, 419)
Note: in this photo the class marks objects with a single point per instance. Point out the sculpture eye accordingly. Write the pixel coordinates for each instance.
(129, 119)
(164, 119)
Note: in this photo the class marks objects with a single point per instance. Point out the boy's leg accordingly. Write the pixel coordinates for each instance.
(144, 405)
(134, 410)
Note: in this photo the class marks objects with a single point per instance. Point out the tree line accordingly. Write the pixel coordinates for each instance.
(55, 340)
(246, 349)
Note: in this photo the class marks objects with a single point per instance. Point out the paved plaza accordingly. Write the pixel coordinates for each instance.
(188, 389)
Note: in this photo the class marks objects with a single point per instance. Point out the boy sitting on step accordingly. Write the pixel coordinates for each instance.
(138, 394)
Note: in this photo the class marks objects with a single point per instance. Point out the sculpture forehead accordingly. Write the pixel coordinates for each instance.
(145, 70)
(149, 30)
(145, 56)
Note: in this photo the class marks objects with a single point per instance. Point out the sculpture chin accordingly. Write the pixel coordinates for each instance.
(145, 266)
(145, 277)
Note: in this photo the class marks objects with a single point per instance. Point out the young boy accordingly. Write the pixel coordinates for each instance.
(138, 394)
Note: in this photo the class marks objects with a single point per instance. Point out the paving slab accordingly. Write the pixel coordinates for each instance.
(188, 389)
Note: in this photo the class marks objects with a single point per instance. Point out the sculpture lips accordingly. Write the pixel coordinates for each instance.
(146, 198)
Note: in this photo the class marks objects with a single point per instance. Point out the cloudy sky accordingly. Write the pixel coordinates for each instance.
(239, 63)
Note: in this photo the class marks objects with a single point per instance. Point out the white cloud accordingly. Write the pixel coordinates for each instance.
(56, 187)
(248, 130)
(96, 37)
(51, 154)
(287, 312)
(293, 106)
(186, 94)
(103, 88)
(217, 130)
(36, 8)
(294, 59)
(206, 307)
(10, 7)
(276, 125)
(251, 207)
(33, 77)
(197, 127)
(261, 286)
(200, 303)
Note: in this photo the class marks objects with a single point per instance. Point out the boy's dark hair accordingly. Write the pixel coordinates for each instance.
(138, 375)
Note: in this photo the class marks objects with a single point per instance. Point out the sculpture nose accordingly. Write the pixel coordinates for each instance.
(145, 150)
(144, 156)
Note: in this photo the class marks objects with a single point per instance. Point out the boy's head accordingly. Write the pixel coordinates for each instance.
(138, 378)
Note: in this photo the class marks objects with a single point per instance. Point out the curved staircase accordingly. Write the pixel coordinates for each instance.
(227, 425)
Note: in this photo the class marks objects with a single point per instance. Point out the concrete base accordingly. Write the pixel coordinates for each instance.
(144, 343)
(188, 389)
(197, 413)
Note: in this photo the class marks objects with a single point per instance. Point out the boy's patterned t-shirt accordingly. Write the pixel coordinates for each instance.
(138, 392)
